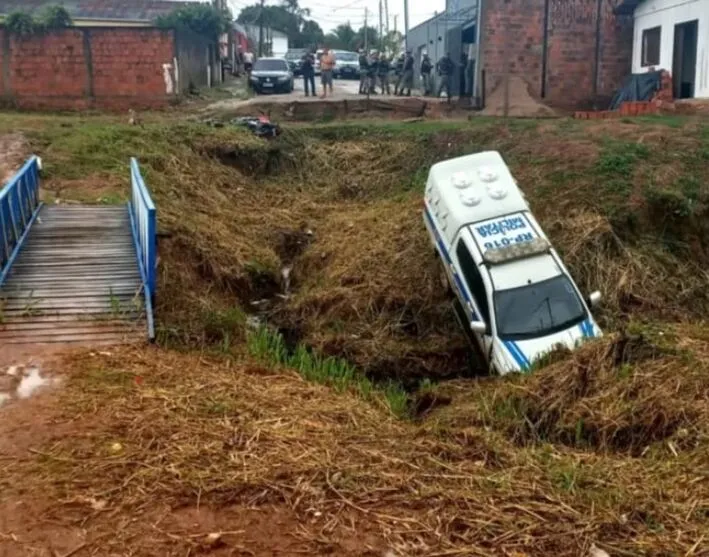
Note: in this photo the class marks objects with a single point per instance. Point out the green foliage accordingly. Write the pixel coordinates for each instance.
(618, 158)
(20, 23)
(48, 19)
(54, 17)
(269, 347)
(289, 18)
(202, 19)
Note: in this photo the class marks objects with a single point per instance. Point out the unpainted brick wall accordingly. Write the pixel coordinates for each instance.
(129, 62)
(513, 37)
(112, 68)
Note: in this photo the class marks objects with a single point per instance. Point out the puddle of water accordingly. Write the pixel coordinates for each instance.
(32, 381)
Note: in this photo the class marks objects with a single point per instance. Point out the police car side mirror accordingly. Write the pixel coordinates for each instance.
(594, 298)
(478, 327)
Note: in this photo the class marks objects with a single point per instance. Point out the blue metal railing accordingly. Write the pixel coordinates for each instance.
(19, 206)
(144, 227)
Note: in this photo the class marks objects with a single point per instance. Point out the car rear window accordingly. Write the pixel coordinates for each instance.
(271, 66)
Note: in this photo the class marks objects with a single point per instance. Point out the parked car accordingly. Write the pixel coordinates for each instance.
(513, 296)
(295, 61)
(346, 65)
(271, 75)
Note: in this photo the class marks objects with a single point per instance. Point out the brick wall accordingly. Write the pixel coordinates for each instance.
(127, 63)
(513, 37)
(112, 68)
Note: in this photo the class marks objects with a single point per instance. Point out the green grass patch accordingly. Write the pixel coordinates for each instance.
(268, 346)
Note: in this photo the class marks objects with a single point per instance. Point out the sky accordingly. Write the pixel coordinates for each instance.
(330, 14)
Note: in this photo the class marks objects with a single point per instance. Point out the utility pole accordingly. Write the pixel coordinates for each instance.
(386, 16)
(396, 17)
(366, 46)
(260, 30)
(406, 24)
(381, 34)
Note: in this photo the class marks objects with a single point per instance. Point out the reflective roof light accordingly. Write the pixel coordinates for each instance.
(520, 250)
(461, 181)
(497, 191)
(469, 199)
(487, 175)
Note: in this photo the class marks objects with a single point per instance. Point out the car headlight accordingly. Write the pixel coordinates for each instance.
(253, 78)
(284, 78)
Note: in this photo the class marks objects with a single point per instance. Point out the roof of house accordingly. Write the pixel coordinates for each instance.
(119, 10)
(627, 7)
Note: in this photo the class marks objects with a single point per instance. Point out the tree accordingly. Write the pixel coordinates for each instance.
(203, 19)
(311, 35)
(288, 18)
(372, 38)
(343, 37)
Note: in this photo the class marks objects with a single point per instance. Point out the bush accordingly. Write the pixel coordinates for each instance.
(49, 18)
(20, 23)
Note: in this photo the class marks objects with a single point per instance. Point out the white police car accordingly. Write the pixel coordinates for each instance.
(516, 298)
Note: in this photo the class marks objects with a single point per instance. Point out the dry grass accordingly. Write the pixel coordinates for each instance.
(185, 430)
(607, 446)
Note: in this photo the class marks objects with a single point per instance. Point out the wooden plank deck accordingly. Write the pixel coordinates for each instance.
(76, 280)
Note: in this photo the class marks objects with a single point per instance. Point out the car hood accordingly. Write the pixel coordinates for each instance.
(269, 74)
(520, 355)
(347, 63)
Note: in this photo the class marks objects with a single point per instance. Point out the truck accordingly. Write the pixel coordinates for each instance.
(512, 294)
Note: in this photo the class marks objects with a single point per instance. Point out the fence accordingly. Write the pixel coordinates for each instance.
(143, 223)
(19, 205)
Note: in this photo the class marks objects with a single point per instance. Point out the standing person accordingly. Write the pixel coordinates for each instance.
(383, 73)
(248, 62)
(461, 74)
(372, 72)
(327, 64)
(407, 80)
(446, 67)
(363, 71)
(399, 72)
(426, 68)
(308, 68)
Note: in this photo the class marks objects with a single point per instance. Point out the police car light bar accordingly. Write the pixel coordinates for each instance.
(521, 250)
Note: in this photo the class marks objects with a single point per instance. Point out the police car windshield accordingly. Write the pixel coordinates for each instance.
(536, 310)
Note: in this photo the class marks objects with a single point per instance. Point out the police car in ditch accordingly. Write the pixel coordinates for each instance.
(514, 297)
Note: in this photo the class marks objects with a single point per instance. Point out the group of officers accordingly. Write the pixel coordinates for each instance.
(376, 69)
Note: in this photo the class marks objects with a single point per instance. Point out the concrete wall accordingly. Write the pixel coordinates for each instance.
(583, 58)
(80, 68)
(666, 14)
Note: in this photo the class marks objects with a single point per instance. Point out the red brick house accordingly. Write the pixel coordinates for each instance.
(112, 57)
(568, 53)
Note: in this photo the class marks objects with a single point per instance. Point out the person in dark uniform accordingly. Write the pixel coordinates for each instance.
(426, 68)
(407, 79)
(383, 73)
(461, 74)
(363, 71)
(308, 69)
(399, 72)
(446, 67)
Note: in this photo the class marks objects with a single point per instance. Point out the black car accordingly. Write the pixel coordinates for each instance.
(271, 75)
(295, 61)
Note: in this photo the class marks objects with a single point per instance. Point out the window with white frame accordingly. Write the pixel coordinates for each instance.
(651, 47)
